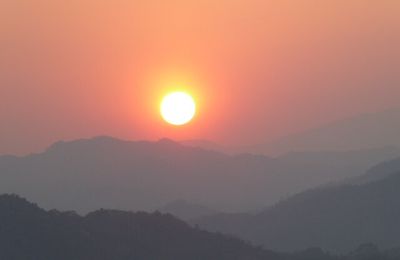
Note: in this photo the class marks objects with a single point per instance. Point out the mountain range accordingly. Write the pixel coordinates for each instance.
(335, 218)
(105, 172)
(364, 131)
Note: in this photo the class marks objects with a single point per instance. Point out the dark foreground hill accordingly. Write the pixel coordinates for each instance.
(28, 232)
(334, 218)
(103, 172)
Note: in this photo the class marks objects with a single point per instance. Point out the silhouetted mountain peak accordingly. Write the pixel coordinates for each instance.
(167, 141)
(105, 143)
(82, 143)
(16, 204)
(7, 199)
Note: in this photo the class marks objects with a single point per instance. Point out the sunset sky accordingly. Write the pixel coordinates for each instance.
(258, 69)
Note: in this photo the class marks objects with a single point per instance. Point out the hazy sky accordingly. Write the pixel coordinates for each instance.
(259, 69)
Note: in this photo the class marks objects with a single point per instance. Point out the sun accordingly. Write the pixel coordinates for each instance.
(178, 108)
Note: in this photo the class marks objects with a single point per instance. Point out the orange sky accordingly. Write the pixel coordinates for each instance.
(260, 69)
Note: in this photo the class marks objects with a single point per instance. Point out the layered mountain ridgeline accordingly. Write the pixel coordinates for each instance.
(379, 172)
(363, 131)
(28, 232)
(103, 172)
(335, 218)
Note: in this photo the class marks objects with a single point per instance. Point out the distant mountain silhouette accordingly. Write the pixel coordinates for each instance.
(187, 211)
(206, 145)
(104, 172)
(365, 131)
(380, 171)
(335, 218)
(28, 232)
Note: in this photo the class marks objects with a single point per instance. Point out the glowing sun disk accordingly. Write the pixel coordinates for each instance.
(178, 108)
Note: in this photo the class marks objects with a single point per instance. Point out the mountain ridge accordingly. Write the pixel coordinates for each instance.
(362, 131)
(103, 172)
(29, 232)
(335, 218)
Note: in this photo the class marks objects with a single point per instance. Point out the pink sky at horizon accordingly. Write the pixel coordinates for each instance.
(258, 69)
